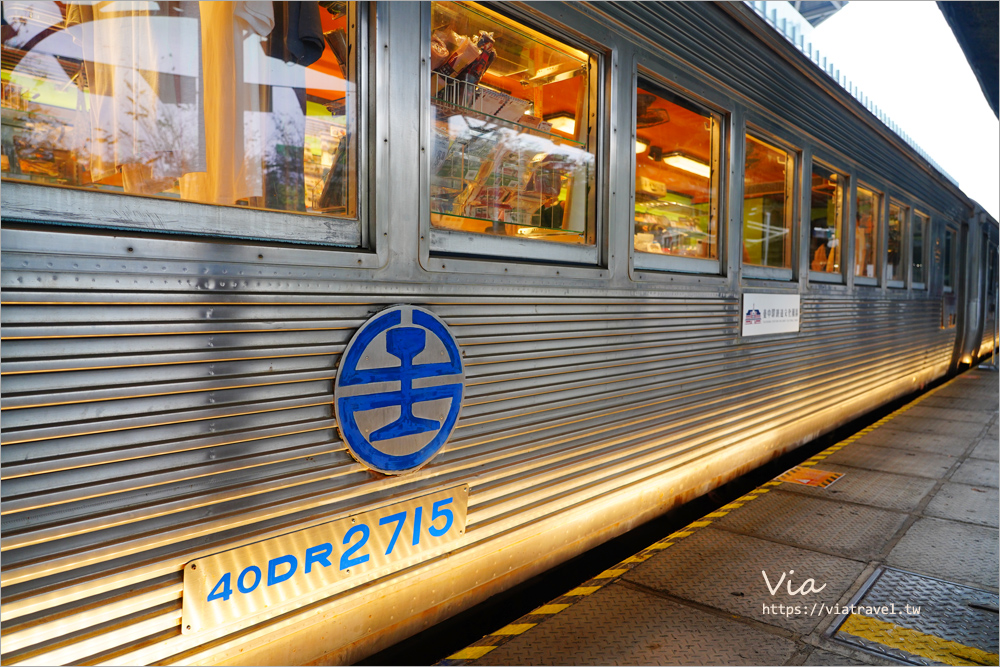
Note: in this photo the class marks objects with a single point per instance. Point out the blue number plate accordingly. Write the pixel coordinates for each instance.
(316, 562)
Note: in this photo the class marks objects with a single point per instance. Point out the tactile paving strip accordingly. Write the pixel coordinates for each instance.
(622, 626)
(852, 531)
(951, 550)
(922, 620)
(723, 570)
(962, 502)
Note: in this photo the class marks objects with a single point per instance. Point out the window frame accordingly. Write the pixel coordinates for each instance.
(91, 208)
(948, 258)
(722, 118)
(793, 178)
(879, 234)
(458, 245)
(925, 222)
(846, 208)
(904, 251)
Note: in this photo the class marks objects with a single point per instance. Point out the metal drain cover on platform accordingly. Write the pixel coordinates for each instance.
(921, 620)
(809, 477)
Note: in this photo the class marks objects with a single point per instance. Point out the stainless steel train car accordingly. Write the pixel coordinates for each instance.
(323, 322)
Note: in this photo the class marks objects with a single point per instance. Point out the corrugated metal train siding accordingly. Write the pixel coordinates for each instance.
(158, 410)
(136, 438)
(742, 63)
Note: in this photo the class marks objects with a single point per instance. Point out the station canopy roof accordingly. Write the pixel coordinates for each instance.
(975, 25)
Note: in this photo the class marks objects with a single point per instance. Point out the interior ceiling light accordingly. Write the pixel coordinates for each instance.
(562, 121)
(687, 163)
(641, 145)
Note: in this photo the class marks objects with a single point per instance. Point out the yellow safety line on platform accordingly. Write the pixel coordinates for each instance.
(550, 609)
(610, 575)
(657, 546)
(471, 653)
(515, 628)
(915, 642)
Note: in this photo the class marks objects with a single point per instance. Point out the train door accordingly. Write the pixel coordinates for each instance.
(990, 334)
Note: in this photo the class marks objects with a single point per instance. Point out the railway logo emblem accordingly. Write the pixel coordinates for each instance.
(753, 316)
(399, 389)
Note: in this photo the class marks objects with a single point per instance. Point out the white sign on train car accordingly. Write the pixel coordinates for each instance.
(770, 314)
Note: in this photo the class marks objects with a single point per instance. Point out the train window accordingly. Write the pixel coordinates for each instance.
(949, 260)
(868, 208)
(248, 105)
(768, 185)
(917, 252)
(676, 182)
(828, 194)
(513, 129)
(895, 269)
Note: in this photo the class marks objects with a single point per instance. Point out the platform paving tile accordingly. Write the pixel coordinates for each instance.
(949, 550)
(891, 459)
(868, 487)
(823, 657)
(725, 570)
(927, 606)
(981, 417)
(721, 591)
(988, 449)
(976, 390)
(956, 429)
(886, 436)
(988, 404)
(964, 502)
(618, 625)
(984, 379)
(978, 473)
(848, 530)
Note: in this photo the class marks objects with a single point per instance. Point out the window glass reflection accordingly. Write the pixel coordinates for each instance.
(826, 211)
(767, 205)
(234, 103)
(920, 225)
(513, 138)
(868, 206)
(949, 249)
(894, 243)
(676, 184)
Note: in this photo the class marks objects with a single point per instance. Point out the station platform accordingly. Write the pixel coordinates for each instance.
(881, 549)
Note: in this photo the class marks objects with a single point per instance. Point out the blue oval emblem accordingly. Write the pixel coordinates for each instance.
(399, 389)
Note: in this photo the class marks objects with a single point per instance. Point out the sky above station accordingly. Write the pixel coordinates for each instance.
(904, 56)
